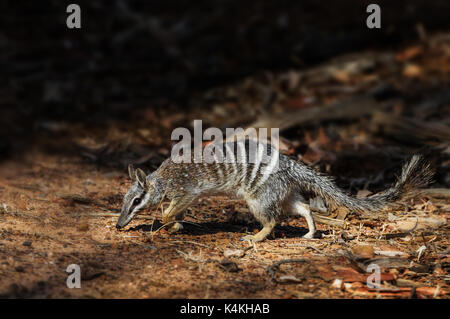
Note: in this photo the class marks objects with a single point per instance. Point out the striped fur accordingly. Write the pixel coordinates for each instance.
(270, 182)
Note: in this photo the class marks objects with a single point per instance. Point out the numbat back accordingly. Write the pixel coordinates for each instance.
(271, 183)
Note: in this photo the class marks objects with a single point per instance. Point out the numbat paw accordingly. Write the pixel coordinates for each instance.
(176, 228)
(309, 236)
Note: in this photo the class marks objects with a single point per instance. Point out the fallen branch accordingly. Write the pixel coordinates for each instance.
(328, 221)
(410, 129)
(352, 108)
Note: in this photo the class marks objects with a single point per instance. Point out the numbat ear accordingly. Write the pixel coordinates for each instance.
(131, 172)
(141, 177)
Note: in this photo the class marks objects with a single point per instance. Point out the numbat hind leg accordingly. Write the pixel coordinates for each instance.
(296, 206)
(303, 209)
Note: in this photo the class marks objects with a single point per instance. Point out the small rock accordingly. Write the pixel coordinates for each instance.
(27, 243)
(233, 253)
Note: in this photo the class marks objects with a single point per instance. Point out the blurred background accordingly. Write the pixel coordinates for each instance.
(159, 54)
(143, 64)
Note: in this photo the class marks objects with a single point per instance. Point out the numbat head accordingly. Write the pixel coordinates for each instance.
(273, 188)
(142, 194)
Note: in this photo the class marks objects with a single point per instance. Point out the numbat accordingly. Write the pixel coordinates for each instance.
(272, 188)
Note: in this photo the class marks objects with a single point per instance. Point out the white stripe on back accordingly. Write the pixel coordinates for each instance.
(269, 168)
(257, 163)
(231, 160)
(217, 161)
(242, 157)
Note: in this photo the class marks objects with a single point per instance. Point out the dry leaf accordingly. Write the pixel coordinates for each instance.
(363, 251)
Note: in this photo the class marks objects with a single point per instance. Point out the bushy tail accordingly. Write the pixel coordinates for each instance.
(415, 174)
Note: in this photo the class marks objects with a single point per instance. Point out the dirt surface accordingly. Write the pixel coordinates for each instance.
(60, 197)
(52, 217)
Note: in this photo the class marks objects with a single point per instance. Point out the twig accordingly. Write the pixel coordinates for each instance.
(328, 221)
(115, 215)
(344, 109)
(359, 232)
(17, 213)
(161, 227)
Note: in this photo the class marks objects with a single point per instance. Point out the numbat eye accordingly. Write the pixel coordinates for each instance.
(136, 201)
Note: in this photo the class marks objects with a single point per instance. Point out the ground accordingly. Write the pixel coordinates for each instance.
(53, 226)
(61, 196)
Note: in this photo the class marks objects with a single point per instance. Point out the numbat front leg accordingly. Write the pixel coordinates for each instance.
(175, 212)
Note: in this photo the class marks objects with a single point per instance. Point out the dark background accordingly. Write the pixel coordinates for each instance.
(130, 54)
